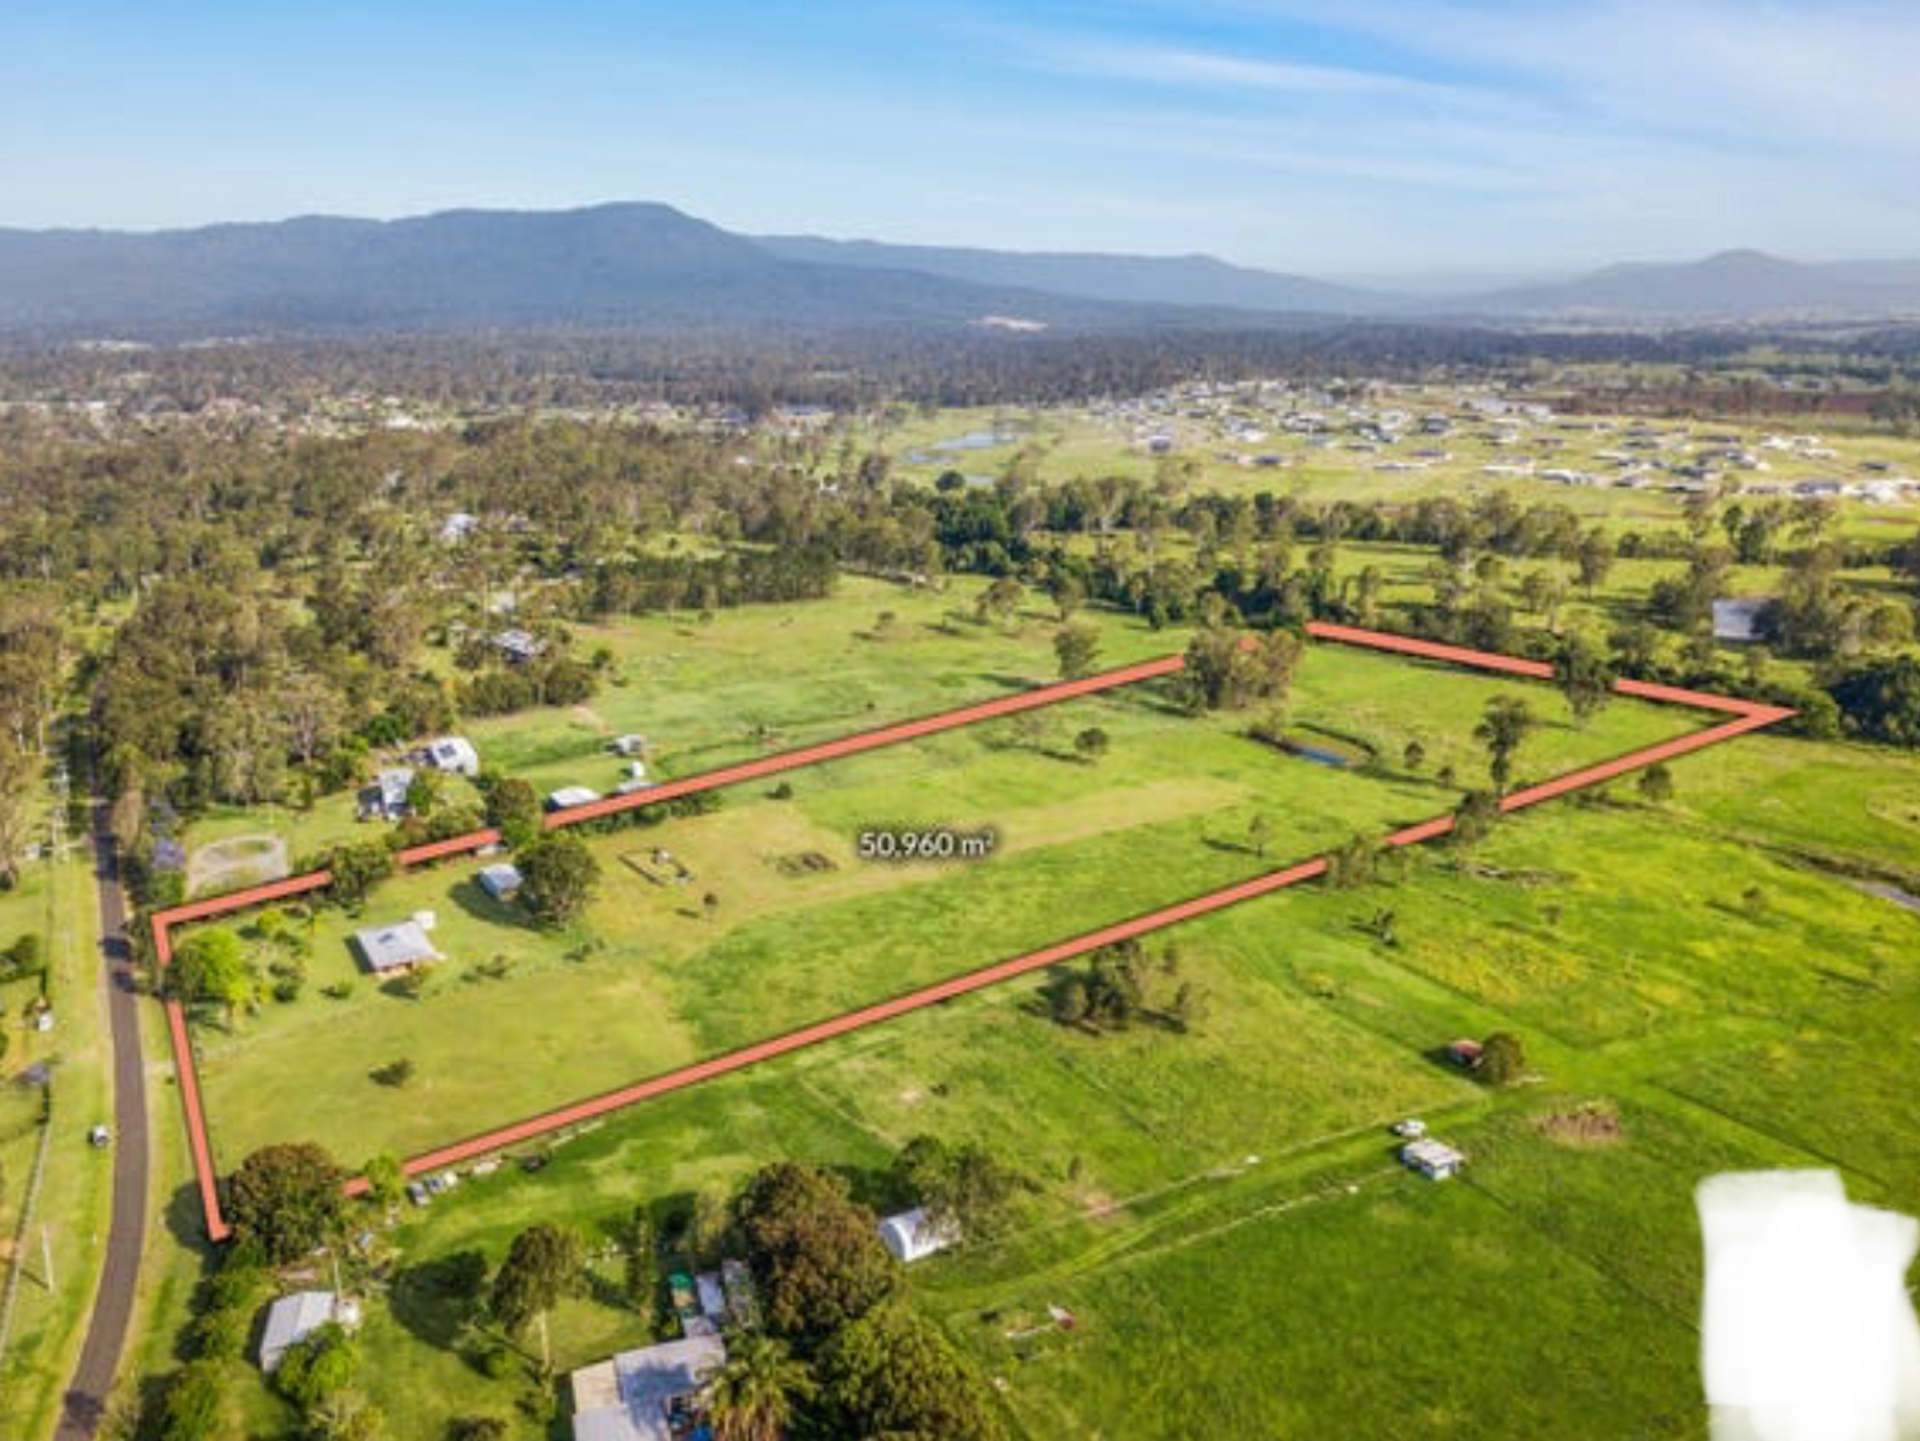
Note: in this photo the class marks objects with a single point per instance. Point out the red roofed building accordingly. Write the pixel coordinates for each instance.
(1464, 1052)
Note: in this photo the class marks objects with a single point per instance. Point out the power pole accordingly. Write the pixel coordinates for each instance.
(46, 1255)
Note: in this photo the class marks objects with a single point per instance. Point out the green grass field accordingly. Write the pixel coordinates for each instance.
(54, 900)
(1221, 1212)
(750, 679)
(518, 1019)
(1702, 986)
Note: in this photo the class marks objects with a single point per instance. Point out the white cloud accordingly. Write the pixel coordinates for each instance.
(1764, 73)
(1536, 133)
(1156, 64)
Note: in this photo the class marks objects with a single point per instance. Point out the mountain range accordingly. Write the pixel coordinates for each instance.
(653, 267)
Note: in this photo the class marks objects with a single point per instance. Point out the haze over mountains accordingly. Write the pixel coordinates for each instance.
(1736, 284)
(1196, 280)
(650, 266)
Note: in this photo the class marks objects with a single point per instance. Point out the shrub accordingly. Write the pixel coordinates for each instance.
(394, 1073)
(408, 985)
(221, 1333)
(1656, 784)
(191, 1410)
(320, 1367)
(25, 957)
(1354, 864)
(1502, 1059)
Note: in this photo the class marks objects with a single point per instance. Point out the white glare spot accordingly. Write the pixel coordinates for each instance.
(1808, 1333)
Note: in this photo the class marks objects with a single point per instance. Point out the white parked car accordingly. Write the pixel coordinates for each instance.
(1413, 1130)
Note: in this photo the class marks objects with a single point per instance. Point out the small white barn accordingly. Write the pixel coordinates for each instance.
(519, 647)
(455, 755)
(1435, 1160)
(501, 881)
(914, 1235)
(291, 1319)
(1737, 619)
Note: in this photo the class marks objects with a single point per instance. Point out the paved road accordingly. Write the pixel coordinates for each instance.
(86, 1400)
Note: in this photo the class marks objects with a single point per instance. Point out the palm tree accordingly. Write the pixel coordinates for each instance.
(751, 1395)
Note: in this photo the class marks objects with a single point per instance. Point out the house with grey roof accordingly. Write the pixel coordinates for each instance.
(293, 1318)
(386, 798)
(389, 950)
(652, 1394)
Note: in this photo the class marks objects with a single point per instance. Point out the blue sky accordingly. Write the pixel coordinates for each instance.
(1363, 136)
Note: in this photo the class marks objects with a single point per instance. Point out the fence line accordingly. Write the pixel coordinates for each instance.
(27, 1204)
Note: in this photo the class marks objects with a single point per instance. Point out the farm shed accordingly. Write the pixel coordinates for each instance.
(1435, 1160)
(401, 946)
(500, 881)
(568, 797)
(519, 647)
(913, 1235)
(1464, 1052)
(1737, 619)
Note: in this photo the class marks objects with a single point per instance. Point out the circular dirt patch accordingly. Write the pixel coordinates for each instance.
(232, 864)
(1594, 1124)
(1897, 807)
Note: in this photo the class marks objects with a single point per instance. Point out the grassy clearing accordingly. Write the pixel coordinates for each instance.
(1193, 1209)
(1397, 1311)
(751, 679)
(652, 978)
(55, 900)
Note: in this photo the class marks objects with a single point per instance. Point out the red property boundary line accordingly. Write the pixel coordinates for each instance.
(1747, 716)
